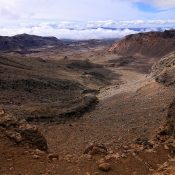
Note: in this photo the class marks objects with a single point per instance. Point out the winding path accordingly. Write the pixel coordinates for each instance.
(131, 82)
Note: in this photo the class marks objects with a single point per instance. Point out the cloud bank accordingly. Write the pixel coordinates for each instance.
(85, 19)
(89, 30)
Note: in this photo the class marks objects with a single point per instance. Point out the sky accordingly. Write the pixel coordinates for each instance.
(85, 19)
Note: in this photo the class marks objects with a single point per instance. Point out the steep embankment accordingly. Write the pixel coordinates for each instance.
(151, 44)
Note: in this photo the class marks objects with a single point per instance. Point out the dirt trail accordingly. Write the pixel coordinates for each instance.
(132, 81)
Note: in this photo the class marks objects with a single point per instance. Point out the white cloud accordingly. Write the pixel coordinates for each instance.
(70, 10)
(163, 3)
(42, 17)
(64, 33)
(82, 10)
(90, 30)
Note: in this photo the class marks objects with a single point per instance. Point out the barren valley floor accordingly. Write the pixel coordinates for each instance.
(122, 125)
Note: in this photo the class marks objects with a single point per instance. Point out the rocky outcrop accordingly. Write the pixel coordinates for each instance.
(164, 70)
(167, 131)
(150, 44)
(171, 119)
(25, 41)
(21, 132)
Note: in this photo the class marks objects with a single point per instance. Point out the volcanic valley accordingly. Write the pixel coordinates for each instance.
(96, 107)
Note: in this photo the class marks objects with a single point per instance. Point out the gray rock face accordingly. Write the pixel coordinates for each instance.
(164, 70)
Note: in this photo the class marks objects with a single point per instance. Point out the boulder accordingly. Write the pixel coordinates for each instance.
(2, 112)
(104, 167)
(53, 156)
(95, 149)
(8, 121)
(15, 136)
(34, 138)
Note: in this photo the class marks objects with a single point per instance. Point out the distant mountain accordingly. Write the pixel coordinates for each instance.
(25, 42)
(150, 44)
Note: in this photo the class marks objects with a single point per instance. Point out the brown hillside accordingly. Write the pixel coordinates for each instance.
(150, 44)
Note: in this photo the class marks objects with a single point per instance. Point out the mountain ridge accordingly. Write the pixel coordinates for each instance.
(26, 41)
(150, 44)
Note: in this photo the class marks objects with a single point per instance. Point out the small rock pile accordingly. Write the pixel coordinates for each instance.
(96, 149)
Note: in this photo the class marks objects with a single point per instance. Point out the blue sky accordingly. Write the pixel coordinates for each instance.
(84, 10)
(57, 17)
(147, 8)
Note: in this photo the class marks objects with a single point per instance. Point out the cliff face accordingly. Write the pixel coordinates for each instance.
(151, 44)
(164, 70)
(25, 41)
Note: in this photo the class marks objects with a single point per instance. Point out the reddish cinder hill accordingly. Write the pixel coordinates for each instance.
(150, 44)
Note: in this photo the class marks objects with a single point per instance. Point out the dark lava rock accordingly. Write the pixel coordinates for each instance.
(145, 142)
